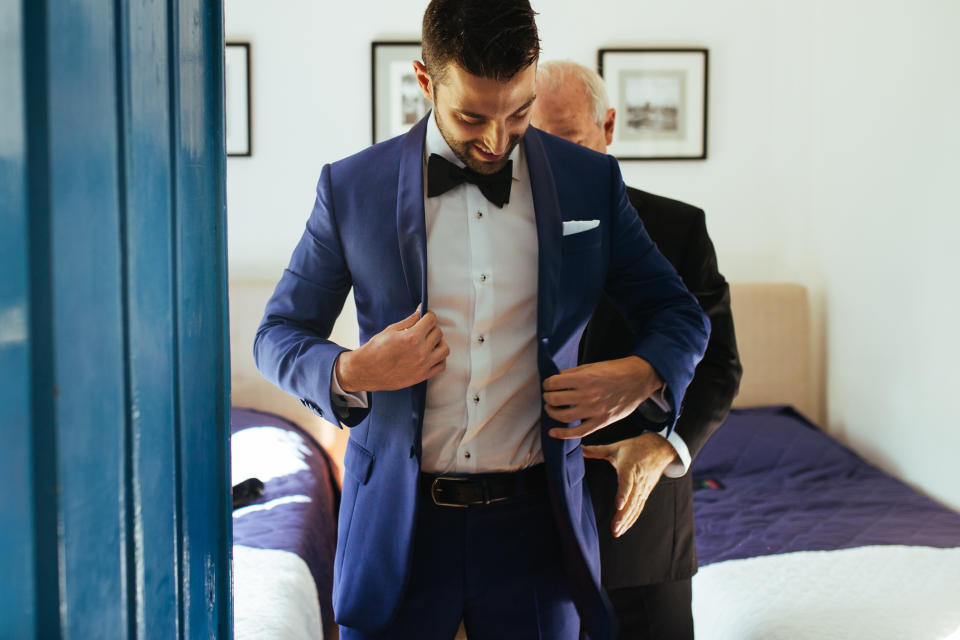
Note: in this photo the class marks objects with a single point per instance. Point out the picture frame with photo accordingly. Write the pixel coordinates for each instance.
(661, 100)
(238, 126)
(397, 101)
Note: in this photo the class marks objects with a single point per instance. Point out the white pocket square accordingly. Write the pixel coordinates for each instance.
(571, 227)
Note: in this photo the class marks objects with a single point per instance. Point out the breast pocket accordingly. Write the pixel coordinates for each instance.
(582, 241)
(583, 270)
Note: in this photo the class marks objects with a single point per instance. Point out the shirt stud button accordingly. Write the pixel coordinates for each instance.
(476, 398)
(481, 339)
(483, 277)
(467, 455)
(479, 214)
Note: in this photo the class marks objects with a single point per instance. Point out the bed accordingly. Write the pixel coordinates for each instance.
(284, 534)
(797, 536)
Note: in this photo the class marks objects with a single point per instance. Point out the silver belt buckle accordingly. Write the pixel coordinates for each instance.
(433, 491)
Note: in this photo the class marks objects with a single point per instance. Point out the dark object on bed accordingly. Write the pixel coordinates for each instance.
(305, 527)
(787, 486)
(246, 492)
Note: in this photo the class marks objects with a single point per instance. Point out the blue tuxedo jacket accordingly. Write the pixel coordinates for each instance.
(367, 231)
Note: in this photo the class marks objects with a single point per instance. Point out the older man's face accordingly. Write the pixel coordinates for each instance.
(566, 111)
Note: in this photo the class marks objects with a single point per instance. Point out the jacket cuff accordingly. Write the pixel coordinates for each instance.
(346, 399)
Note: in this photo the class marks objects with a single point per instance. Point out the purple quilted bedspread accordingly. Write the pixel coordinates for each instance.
(301, 492)
(786, 486)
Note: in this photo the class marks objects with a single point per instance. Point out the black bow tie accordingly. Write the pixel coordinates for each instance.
(443, 175)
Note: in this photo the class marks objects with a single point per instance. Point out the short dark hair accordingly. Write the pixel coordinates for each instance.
(487, 38)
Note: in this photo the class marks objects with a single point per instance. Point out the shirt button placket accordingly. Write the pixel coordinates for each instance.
(479, 250)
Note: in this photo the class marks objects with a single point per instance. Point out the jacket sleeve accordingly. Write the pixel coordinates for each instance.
(717, 378)
(671, 329)
(291, 348)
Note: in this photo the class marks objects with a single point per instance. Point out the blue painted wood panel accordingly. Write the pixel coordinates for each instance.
(151, 309)
(88, 335)
(17, 588)
(202, 236)
(113, 336)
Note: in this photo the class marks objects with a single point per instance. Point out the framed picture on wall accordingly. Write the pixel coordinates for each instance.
(236, 71)
(661, 100)
(398, 103)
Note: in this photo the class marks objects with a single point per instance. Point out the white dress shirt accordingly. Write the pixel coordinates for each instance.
(483, 411)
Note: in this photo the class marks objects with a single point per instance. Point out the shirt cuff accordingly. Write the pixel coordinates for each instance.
(659, 398)
(344, 399)
(677, 468)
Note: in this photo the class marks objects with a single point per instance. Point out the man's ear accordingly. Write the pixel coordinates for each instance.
(423, 79)
(608, 123)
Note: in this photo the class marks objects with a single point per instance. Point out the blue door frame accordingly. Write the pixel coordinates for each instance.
(114, 400)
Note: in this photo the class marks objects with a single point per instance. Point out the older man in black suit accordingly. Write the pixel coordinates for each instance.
(643, 498)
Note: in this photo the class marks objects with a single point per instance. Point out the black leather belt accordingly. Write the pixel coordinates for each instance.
(483, 488)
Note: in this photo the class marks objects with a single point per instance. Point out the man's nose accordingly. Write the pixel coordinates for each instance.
(496, 138)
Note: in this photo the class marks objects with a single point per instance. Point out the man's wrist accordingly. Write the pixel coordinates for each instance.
(345, 368)
(666, 453)
(652, 380)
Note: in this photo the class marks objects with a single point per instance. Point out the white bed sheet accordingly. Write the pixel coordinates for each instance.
(877, 592)
(275, 597)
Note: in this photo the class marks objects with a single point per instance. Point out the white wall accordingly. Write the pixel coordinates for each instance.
(834, 136)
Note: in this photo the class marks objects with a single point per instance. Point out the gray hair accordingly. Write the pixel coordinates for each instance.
(555, 73)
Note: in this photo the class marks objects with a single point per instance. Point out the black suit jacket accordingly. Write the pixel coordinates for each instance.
(660, 546)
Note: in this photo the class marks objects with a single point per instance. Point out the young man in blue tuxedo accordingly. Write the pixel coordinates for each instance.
(477, 248)
(647, 566)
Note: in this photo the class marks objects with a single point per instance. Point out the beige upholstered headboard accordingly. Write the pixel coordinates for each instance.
(773, 333)
(776, 347)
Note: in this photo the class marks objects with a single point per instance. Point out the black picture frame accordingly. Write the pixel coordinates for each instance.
(661, 96)
(238, 112)
(396, 102)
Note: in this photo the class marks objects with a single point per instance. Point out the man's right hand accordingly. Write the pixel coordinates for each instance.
(400, 356)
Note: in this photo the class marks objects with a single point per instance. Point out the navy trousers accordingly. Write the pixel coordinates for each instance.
(497, 567)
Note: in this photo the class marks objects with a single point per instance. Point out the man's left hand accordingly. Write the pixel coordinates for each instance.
(639, 462)
(598, 394)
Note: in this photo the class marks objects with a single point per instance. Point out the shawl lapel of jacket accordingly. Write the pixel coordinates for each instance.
(411, 227)
(412, 238)
(549, 233)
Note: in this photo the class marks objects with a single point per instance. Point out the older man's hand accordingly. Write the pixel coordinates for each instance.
(639, 462)
(598, 394)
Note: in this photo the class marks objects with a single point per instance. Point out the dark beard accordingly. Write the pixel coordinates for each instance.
(461, 149)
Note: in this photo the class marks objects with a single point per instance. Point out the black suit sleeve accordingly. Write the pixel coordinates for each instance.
(717, 378)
